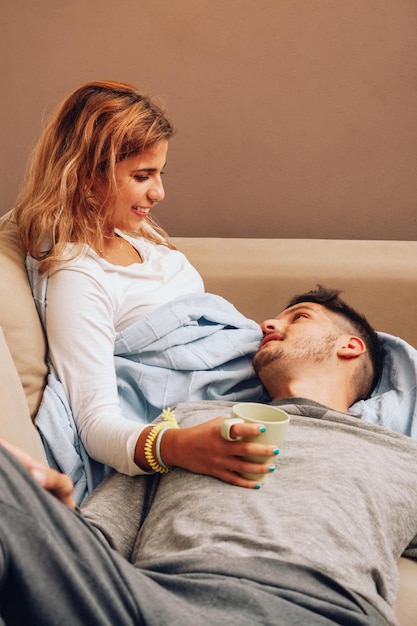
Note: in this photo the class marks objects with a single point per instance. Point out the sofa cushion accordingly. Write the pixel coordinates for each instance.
(15, 422)
(19, 318)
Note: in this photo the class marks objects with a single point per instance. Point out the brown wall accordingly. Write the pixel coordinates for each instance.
(297, 118)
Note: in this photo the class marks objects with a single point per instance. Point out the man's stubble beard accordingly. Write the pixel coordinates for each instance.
(304, 350)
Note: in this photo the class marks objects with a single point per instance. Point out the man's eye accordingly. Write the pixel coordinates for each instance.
(298, 315)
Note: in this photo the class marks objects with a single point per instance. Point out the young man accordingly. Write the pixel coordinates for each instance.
(318, 544)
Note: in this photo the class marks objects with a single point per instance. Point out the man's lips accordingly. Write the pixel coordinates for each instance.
(268, 338)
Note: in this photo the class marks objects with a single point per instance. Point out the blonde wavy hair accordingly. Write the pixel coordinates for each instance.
(98, 125)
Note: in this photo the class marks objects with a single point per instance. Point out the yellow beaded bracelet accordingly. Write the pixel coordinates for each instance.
(169, 421)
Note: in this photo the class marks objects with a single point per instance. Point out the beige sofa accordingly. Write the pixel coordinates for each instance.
(258, 276)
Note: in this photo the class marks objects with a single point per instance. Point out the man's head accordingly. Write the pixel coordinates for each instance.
(318, 328)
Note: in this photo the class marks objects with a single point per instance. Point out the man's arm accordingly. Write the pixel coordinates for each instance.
(59, 485)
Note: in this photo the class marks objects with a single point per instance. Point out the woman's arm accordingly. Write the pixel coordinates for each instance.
(80, 329)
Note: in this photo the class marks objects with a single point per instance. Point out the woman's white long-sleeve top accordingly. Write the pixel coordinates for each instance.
(88, 300)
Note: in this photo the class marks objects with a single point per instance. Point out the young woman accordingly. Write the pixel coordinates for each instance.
(84, 215)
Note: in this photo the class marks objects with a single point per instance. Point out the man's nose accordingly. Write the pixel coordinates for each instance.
(271, 326)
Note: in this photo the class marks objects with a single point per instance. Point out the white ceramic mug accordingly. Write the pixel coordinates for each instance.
(274, 419)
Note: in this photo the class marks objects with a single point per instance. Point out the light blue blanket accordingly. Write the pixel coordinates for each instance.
(196, 347)
(393, 402)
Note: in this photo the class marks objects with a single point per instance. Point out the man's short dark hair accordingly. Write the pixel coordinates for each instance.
(330, 299)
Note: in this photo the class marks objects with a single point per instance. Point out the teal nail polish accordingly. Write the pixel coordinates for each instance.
(262, 429)
(276, 451)
(271, 468)
(257, 486)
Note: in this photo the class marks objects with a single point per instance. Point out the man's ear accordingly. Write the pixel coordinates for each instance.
(351, 347)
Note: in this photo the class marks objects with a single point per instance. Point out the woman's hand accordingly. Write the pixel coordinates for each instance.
(202, 449)
(60, 485)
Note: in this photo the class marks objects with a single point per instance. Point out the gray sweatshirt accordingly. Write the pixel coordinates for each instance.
(342, 501)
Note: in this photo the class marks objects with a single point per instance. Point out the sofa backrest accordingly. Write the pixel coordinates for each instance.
(259, 276)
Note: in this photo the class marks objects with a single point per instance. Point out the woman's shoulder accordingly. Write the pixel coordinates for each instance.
(80, 258)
